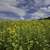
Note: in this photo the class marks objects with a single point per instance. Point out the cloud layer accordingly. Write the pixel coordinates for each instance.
(21, 12)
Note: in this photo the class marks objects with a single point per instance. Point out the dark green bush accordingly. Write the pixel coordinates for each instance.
(25, 35)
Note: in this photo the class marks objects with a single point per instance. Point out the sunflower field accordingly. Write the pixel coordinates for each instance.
(25, 35)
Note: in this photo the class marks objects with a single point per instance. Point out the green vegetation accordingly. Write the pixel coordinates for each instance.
(25, 35)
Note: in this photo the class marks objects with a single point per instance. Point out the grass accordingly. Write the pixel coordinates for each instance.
(25, 35)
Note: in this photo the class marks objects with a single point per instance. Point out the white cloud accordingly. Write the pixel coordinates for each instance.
(46, 2)
(39, 14)
(11, 2)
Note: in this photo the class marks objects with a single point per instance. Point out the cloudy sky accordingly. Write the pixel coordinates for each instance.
(8, 1)
(8, 6)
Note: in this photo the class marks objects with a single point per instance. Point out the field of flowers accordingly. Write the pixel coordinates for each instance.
(25, 35)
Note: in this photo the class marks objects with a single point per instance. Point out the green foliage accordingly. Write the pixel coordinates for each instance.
(25, 35)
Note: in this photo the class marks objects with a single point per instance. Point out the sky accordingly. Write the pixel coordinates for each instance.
(8, 1)
(10, 6)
